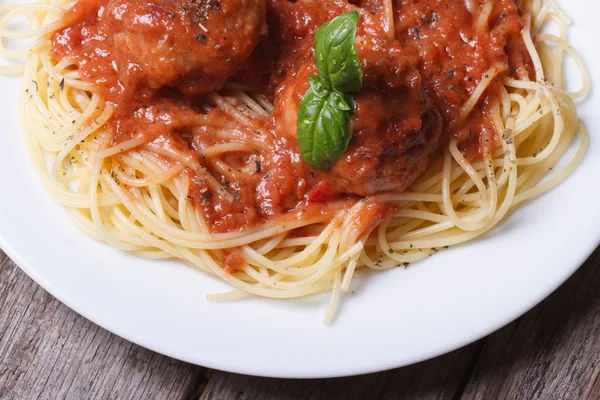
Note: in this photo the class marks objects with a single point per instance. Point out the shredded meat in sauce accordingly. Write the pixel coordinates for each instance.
(158, 61)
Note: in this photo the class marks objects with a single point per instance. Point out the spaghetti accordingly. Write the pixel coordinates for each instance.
(155, 198)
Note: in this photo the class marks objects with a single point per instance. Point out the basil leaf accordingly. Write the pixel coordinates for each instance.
(322, 129)
(336, 58)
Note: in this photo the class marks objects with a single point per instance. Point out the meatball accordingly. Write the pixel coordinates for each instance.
(194, 45)
(392, 140)
(394, 128)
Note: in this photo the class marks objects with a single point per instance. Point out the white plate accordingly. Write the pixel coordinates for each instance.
(393, 319)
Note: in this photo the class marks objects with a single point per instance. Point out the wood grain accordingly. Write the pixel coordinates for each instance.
(435, 379)
(49, 352)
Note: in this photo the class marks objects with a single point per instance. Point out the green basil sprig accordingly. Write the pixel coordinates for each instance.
(325, 110)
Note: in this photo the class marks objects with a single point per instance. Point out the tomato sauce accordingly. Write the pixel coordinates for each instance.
(456, 52)
(157, 61)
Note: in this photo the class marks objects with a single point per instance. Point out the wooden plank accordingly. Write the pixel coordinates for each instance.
(551, 352)
(48, 351)
(439, 378)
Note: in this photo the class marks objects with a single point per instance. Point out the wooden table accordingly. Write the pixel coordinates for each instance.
(48, 351)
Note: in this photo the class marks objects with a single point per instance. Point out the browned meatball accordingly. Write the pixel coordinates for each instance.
(394, 128)
(391, 143)
(194, 45)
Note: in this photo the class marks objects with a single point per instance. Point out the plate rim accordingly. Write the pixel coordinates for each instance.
(57, 294)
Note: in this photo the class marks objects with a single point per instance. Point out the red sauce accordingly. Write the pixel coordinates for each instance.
(455, 55)
(233, 260)
(156, 61)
